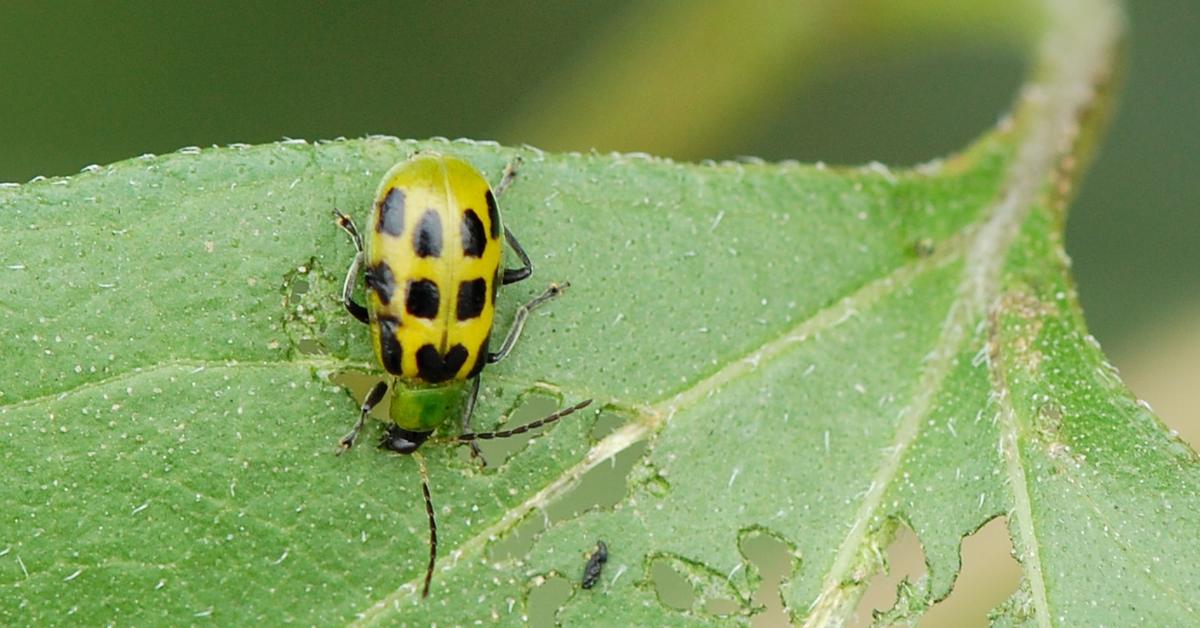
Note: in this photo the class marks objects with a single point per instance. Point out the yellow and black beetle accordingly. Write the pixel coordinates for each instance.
(432, 274)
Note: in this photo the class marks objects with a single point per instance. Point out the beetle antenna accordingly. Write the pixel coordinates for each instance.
(533, 425)
(432, 522)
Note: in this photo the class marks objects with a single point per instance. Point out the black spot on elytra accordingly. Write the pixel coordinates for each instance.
(434, 368)
(390, 351)
(423, 298)
(472, 295)
(493, 214)
(382, 281)
(473, 239)
(391, 213)
(427, 237)
(480, 357)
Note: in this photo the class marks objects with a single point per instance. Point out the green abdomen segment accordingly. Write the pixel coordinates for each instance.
(423, 408)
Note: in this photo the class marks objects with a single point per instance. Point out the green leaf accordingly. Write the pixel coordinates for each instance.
(792, 355)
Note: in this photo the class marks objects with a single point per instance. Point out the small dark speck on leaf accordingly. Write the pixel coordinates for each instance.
(595, 563)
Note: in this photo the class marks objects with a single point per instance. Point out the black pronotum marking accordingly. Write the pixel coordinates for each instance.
(423, 298)
(434, 368)
(390, 351)
(474, 241)
(391, 213)
(427, 237)
(382, 281)
(595, 564)
(493, 214)
(472, 295)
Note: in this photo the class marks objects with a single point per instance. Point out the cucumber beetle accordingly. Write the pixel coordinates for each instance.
(432, 273)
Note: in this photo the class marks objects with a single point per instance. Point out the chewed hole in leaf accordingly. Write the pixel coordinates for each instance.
(772, 561)
(307, 308)
(528, 407)
(674, 591)
(602, 486)
(685, 585)
(517, 542)
(988, 577)
(721, 607)
(357, 383)
(905, 562)
(308, 346)
(298, 288)
(546, 597)
(606, 423)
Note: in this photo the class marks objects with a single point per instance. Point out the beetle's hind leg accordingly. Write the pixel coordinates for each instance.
(467, 437)
(356, 310)
(518, 324)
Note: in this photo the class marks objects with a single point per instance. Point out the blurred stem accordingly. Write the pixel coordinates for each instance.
(681, 78)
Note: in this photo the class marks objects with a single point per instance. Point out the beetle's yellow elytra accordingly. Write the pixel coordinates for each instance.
(433, 258)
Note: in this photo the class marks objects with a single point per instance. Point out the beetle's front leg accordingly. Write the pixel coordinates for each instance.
(370, 401)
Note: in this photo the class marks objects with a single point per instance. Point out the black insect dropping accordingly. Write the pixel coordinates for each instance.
(595, 564)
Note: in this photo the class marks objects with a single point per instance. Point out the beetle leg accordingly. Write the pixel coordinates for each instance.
(465, 425)
(514, 332)
(370, 401)
(356, 310)
(513, 275)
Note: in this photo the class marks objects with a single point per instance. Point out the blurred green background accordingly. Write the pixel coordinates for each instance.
(840, 82)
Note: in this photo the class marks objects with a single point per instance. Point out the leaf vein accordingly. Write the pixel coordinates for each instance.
(181, 363)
